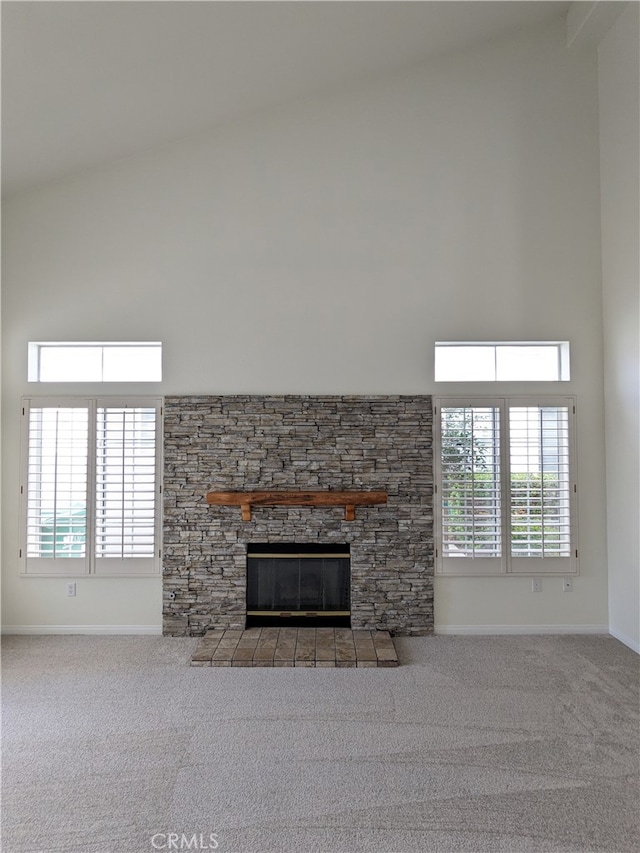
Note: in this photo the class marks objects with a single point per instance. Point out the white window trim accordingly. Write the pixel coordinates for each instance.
(506, 565)
(90, 566)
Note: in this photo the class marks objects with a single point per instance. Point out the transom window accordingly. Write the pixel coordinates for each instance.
(95, 362)
(546, 361)
(505, 486)
(90, 487)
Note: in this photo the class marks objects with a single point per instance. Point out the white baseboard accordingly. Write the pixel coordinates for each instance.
(521, 629)
(82, 629)
(634, 645)
(469, 630)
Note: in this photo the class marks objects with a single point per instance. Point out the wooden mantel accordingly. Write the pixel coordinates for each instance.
(245, 500)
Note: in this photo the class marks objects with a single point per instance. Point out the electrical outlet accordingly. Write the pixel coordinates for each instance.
(536, 584)
(71, 589)
(567, 584)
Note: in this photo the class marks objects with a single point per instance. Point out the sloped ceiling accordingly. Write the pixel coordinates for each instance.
(86, 83)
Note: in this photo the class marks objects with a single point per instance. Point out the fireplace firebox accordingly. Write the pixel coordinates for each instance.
(298, 584)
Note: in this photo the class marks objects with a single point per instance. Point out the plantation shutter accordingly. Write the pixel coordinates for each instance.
(126, 489)
(470, 499)
(541, 487)
(55, 496)
(90, 487)
(505, 487)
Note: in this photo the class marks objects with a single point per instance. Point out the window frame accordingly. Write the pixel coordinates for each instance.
(35, 349)
(506, 564)
(562, 348)
(90, 565)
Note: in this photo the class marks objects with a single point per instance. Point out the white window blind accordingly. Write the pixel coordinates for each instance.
(540, 481)
(470, 488)
(505, 487)
(125, 482)
(92, 486)
(56, 490)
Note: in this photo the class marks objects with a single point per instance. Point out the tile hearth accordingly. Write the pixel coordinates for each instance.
(308, 647)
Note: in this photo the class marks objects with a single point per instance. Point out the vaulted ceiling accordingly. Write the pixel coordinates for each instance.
(86, 83)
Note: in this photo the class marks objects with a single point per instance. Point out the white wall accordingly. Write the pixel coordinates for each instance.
(619, 75)
(322, 248)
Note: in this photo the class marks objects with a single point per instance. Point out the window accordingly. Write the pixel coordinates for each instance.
(95, 362)
(505, 487)
(90, 487)
(546, 361)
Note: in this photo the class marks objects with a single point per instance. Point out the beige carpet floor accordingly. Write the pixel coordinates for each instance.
(118, 745)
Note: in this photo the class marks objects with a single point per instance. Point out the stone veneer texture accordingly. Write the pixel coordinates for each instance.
(251, 443)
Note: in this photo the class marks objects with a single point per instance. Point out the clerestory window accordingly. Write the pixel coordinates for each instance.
(82, 361)
(517, 361)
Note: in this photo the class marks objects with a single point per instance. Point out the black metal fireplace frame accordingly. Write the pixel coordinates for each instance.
(298, 584)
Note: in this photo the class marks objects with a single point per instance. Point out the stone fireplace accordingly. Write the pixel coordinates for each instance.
(288, 444)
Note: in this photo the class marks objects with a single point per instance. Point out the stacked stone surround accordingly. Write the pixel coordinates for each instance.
(252, 443)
